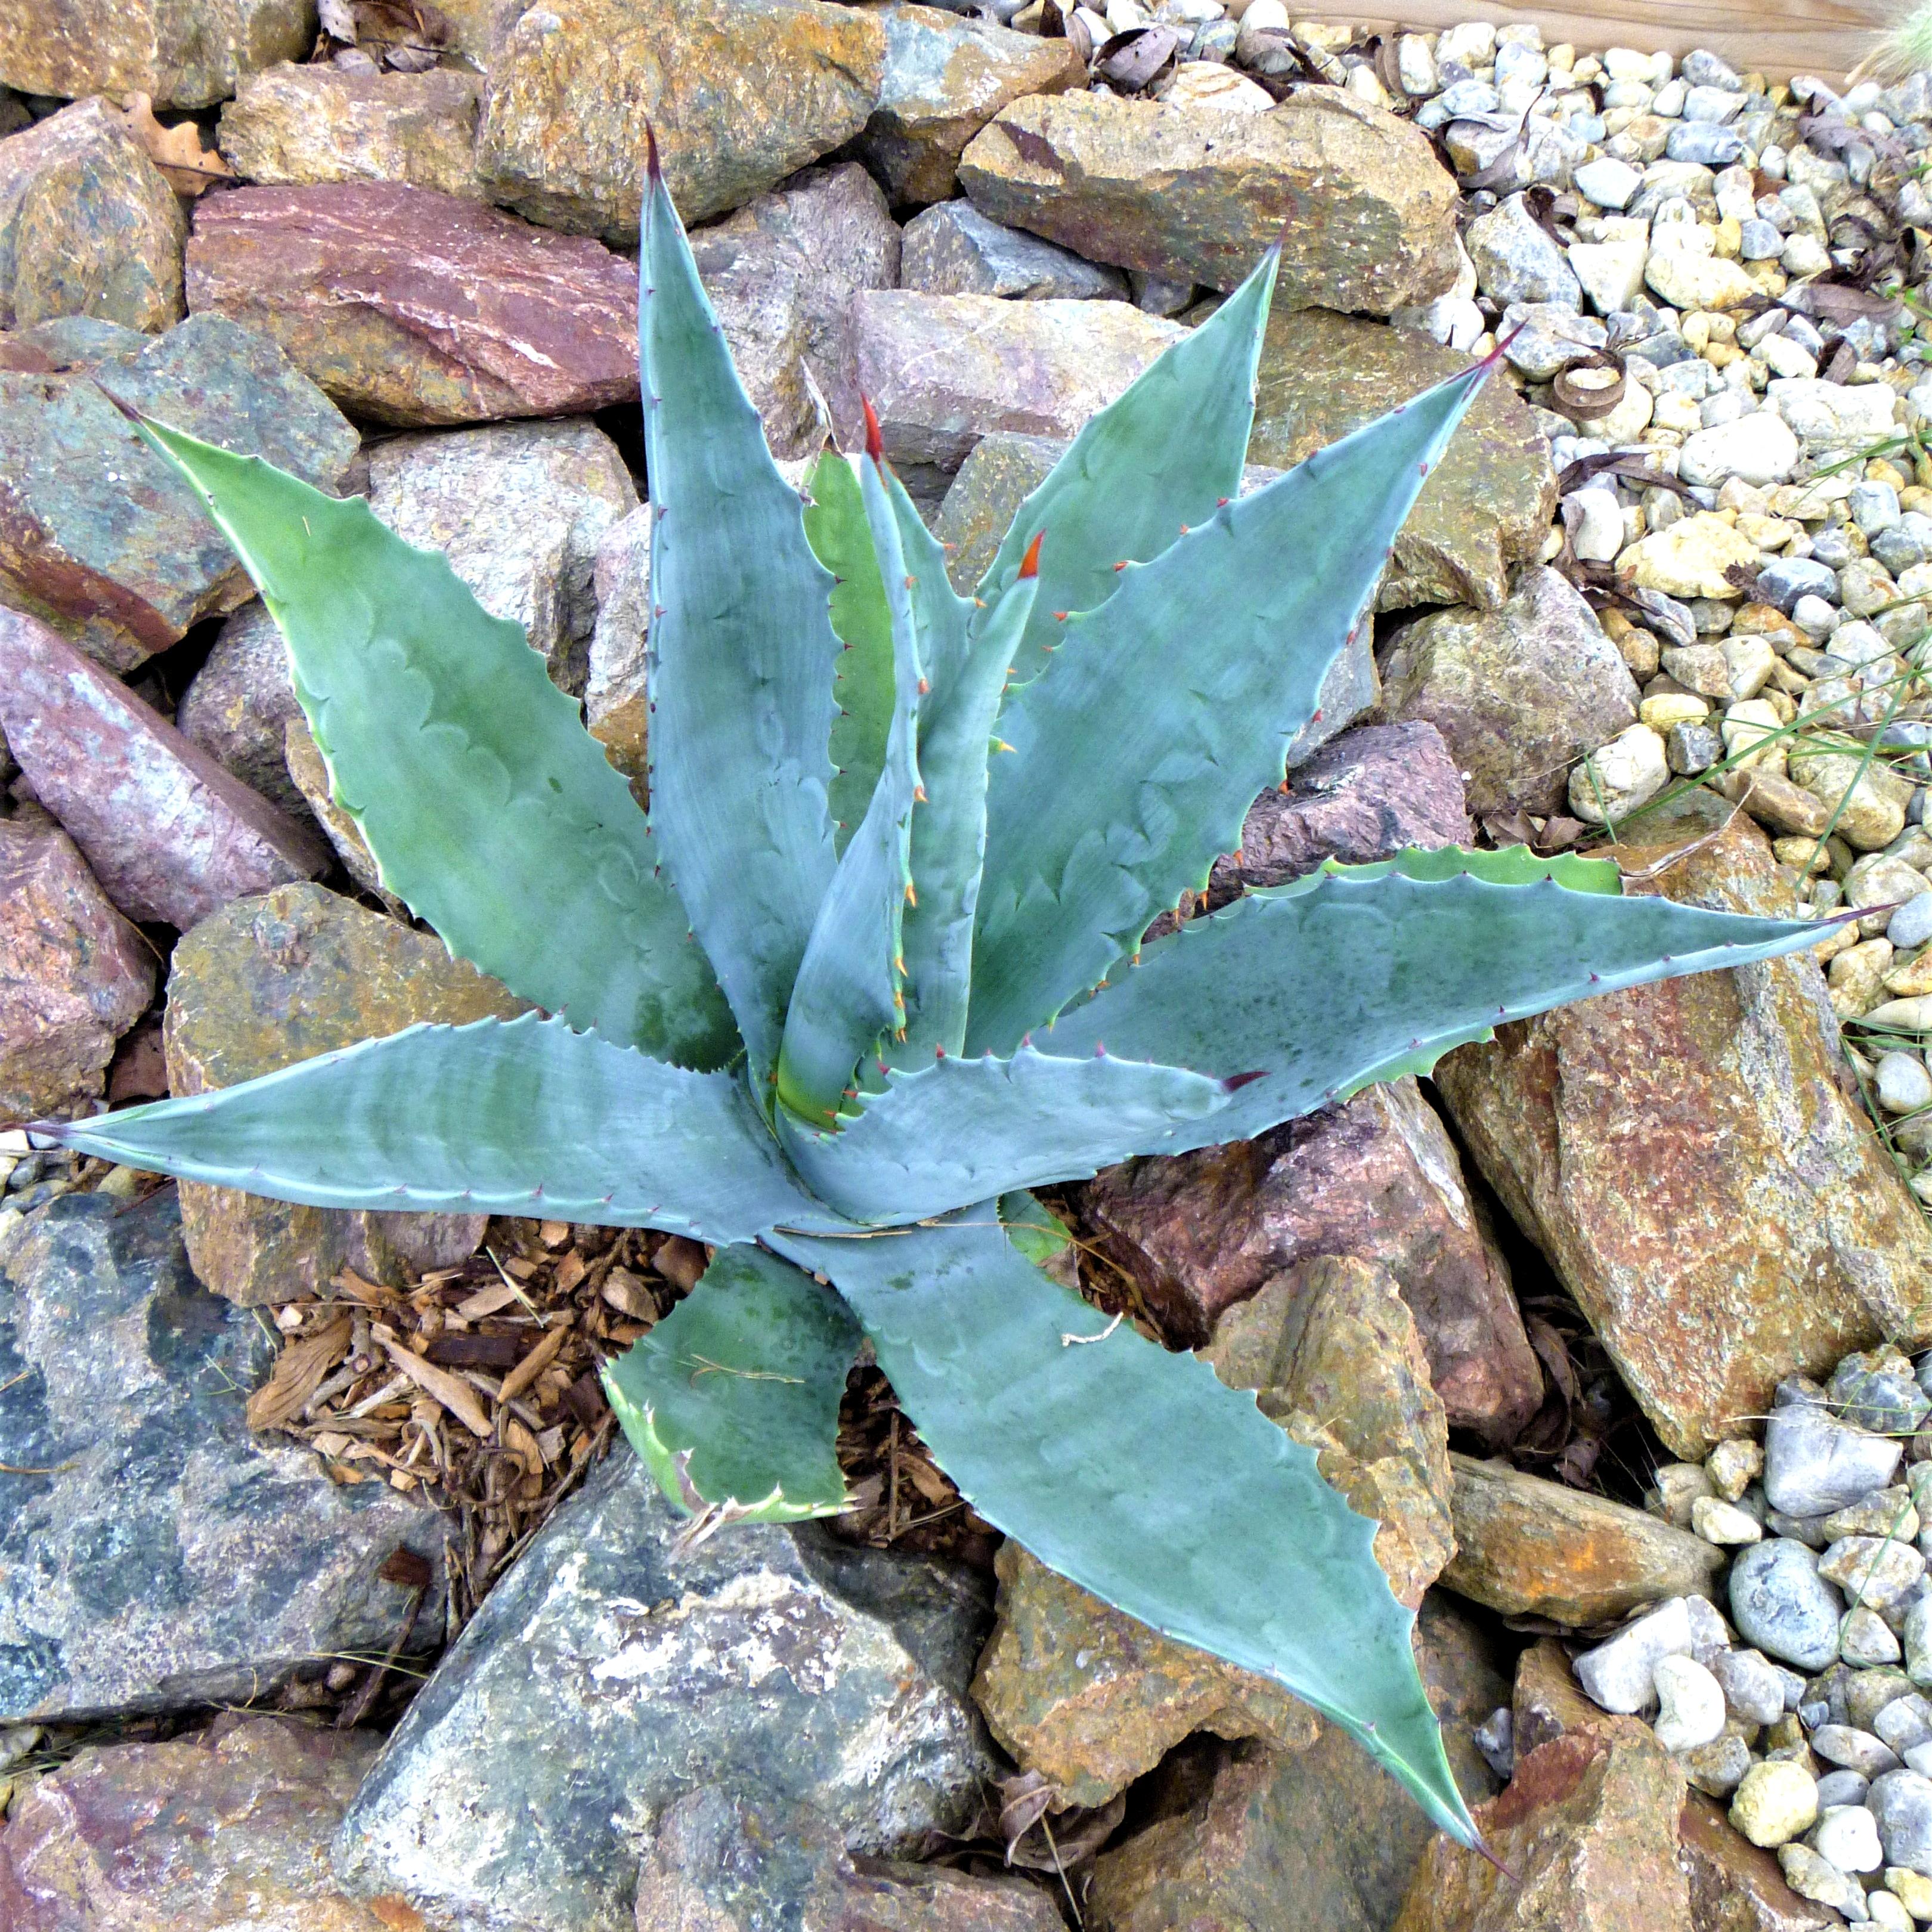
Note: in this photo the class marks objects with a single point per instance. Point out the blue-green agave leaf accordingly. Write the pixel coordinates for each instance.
(733, 1398)
(957, 1130)
(489, 812)
(1038, 1234)
(848, 992)
(517, 1117)
(1141, 1476)
(842, 540)
(743, 653)
(1176, 702)
(1158, 459)
(1360, 973)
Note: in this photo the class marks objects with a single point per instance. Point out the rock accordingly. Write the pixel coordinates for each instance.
(1489, 503)
(1814, 1877)
(1617, 777)
(169, 834)
(236, 706)
(942, 371)
(99, 537)
(1776, 1800)
(305, 769)
(1196, 197)
(1831, 415)
(1857, 1750)
(1334, 1353)
(1781, 1604)
(1901, 1801)
(1902, 1084)
(1691, 558)
(1377, 1178)
(1515, 259)
(1610, 273)
(1689, 281)
(617, 696)
(519, 509)
(238, 1817)
(1092, 1699)
(781, 274)
(297, 126)
(1754, 1686)
(181, 53)
(740, 93)
(605, 1675)
(1874, 1570)
(1690, 1705)
(1759, 448)
(1724, 1523)
(413, 307)
(156, 1555)
(74, 975)
(1736, 1886)
(1814, 1463)
(1519, 693)
(718, 1862)
(1620, 1674)
(1589, 1825)
(1758, 1174)
(1528, 1547)
(1322, 1827)
(277, 979)
(954, 250)
(1364, 795)
(1868, 800)
(945, 78)
(88, 226)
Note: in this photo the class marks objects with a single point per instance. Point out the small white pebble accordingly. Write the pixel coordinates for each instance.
(1722, 1523)
(1691, 1704)
(1847, 1837)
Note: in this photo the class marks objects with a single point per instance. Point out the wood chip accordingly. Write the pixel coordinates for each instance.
(681, 1262)
(629, 1295)
(490, 1301)
(455, 1394)
(533, 1364)
(300, 1371)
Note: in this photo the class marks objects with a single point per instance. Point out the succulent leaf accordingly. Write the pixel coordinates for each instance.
(1155, 461)
(743, 653)
(1038, 1233)
(1138, 1475)
(848, 992)
(490, 812)
(733, 1398)
(957, 1130)
(1176, 707)
(517, 1117)
(842, 540)
(1360, 973)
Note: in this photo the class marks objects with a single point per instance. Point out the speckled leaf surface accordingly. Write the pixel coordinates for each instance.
(521, 1117)
(1141, 1477)
(1365, 973)
(490, 813)
(733, 1398)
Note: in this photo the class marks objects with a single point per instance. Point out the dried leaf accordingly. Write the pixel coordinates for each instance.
(407, 1567)
(455, 1394)
(1132, 59)
(185, 165)
(300, 1371)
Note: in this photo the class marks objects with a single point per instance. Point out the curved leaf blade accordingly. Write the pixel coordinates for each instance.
(517, 1117)
(490, 810)
(958, 1130)
(733, 1398)
(743, 653)
(1140, 1476)
(1435, 957)
(1178, 714)
(1179, 432)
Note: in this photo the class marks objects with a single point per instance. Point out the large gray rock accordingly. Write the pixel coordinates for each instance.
(184, 53)
(236, 706)
(954, 250)
(781, 274)
(603, 1679)
(154, 1554)
(518, 508)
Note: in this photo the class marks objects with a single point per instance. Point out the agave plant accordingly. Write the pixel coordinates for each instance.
(835, 1020)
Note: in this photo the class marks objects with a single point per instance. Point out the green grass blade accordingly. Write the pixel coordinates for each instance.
(1137, 1475)
(518, 1117)
(733, 1398)
(1175, 706)
(1440, 947)
(1163, 455)
(489, 812)
(743, 654)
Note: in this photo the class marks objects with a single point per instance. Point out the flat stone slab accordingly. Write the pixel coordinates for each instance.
(155, 1555)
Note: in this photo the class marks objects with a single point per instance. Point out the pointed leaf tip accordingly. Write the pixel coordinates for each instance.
(1030, 563)
(1235, 1082)
(875, 443)
(653, 165)
(127, 409)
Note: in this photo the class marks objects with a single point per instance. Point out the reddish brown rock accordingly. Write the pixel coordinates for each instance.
(204, 1834)
(1587, 1830)
(74, 975)
(1377, 1177)
(1365, 796)
(169, 834)
(1547, 1700)
(408, 306)
(1687, 1157)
